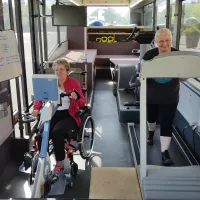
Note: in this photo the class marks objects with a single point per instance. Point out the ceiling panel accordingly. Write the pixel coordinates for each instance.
(107, 2)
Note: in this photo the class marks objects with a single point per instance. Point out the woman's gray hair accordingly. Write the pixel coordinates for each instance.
(61, 61)
(162, 31)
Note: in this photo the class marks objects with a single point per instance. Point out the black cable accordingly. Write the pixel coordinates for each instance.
(131, 36)
(62, 43)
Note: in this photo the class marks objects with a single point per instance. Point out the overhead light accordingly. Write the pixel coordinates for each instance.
(135, 3)
(74, 2)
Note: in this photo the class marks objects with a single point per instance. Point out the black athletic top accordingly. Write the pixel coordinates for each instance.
(161, 90)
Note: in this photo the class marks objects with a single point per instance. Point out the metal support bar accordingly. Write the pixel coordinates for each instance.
(32, 31)
(177, 24)
(58, 27)
(34, 35)
(85, 59)
(154, 15)
(40, 39)
(168, 14)
(142, 16)
(21, 126)
(12, 28)
(58, 34)
(1, 16)
(11, 15)
(21, 51)
(44, 16)
(143, 128)
(22, 56)
(45, 31)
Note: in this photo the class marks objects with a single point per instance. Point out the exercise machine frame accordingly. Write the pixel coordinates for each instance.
(180, 64)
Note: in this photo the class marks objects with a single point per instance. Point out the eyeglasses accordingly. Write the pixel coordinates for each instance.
(164, 41)
(60, 70)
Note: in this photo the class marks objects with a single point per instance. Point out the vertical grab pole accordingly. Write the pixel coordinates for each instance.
(143, 129)
(85, 61)
(21, 126)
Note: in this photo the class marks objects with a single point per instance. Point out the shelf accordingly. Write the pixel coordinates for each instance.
(119, 33)
(115, 27)
(109, 33)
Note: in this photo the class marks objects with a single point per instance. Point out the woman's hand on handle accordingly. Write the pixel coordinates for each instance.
(74, 95)
(35, 113)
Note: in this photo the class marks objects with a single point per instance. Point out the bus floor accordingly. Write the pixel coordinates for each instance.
(154, 151)
(111, 149)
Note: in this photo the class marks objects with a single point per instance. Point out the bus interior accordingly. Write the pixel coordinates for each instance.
(104, 42)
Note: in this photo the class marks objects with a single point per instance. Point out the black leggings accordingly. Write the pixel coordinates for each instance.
(60, 125)
(166, 114)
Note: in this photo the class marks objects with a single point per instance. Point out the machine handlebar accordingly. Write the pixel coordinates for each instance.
(68, 95)
(28, 117)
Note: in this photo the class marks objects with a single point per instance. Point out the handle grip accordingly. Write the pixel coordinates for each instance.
(68, 95)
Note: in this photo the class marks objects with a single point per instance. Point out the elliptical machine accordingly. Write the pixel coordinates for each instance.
(144, 38)
(134, 86)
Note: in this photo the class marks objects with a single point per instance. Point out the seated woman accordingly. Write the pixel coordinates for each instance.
(64, 119)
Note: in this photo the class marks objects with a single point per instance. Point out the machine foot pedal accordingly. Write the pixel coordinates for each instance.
(58, 188)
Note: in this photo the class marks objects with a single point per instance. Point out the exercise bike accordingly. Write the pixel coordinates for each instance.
(39, 161)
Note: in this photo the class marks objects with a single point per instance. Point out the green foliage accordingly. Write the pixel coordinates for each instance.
(189, 11)
(192, 28)
(195, 12)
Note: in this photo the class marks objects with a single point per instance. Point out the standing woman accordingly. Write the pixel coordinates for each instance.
(65, 118)
(162, 97)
